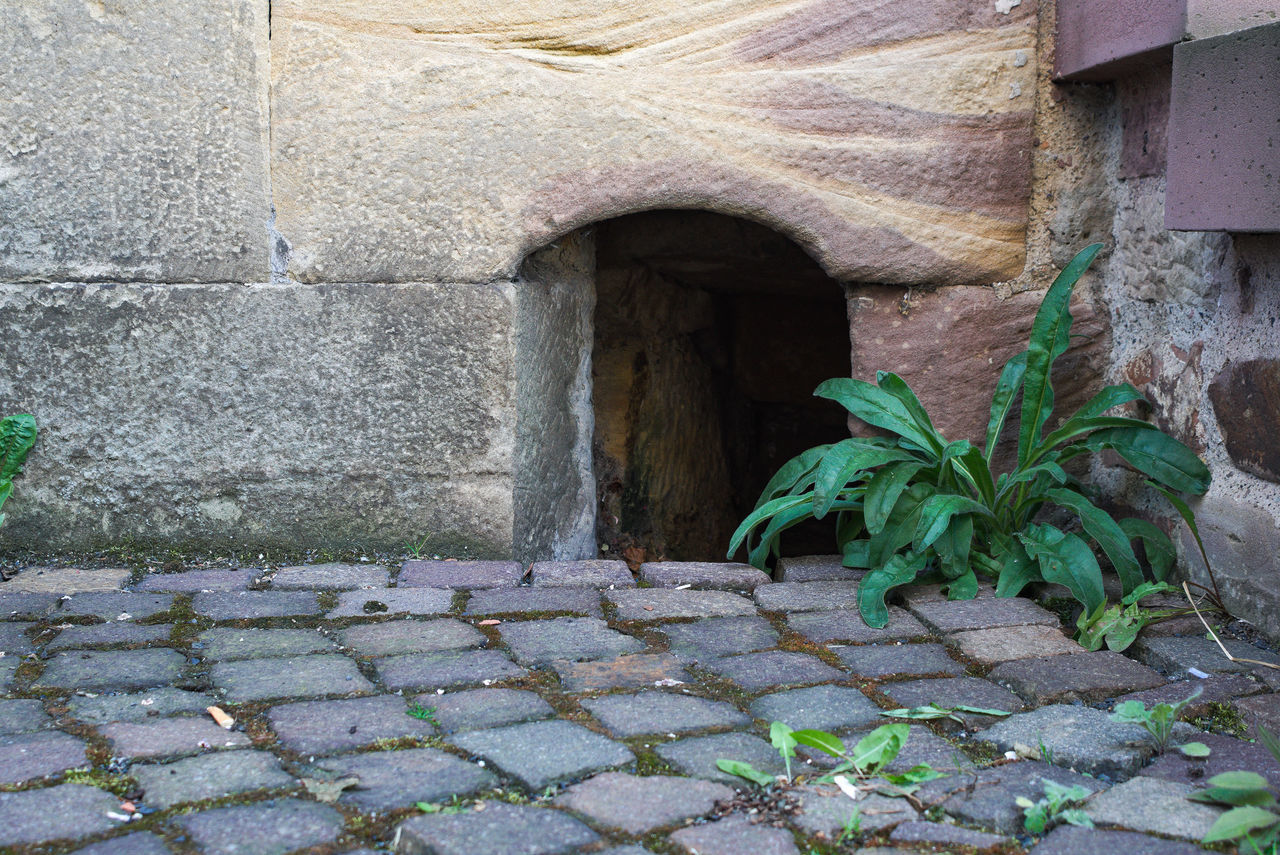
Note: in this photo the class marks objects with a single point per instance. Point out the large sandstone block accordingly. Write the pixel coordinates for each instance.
(951, 344)
(262, 414)
(444, 139)
(133, 140)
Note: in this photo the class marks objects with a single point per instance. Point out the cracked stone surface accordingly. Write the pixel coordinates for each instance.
(685, 676)
(703, 575)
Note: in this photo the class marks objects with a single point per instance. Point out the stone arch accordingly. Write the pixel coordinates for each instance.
(665, 364)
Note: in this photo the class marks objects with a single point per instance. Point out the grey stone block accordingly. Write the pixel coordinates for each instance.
(817, 568)
(582, 574)
(154, 201)
(264, 829)
(210, 777)
(392, 601)
(616, 800)
(944, 834)
(665, 604)
(703, 575)
(1003, 644)
(711, 638)
(1155, 806)
(818, 708)
(755, 671)
(1076, 737)
(110, 669)
(945, 616)
(477, 709)
(517, 601)
(330, 577)
(1073, 840)
(15, 639)
(234, 643)
(64, 812)
(327, 727)
(110, 605)
(26, 757)
(987, 798)
(195, 581)
(22, 605)
(22, 716)
(411, 636)
(390, 780)
(111, 634)
(1223, 687)
(1229, 755)
(955, 691)
(1178, 655)
(637, 671)
(64, 581)
(8, 669)
(137, 707)
(1077, 676)
(661, 712)
(696, 756)
(540, 642)
(542, 753)
(295, 677)
(897, 661)
(732, 836)
(847, 626)
(170, 737)
(446, 669)
(138, 843)
(242, 605)
(460, 575)
(826, 811)
(497, 828)
(807, 596)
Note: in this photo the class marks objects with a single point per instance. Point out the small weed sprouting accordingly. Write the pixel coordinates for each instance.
(1254, 814)
(852, 828)
(930, 712)
(427, 714)
(1058, 805)
(417, 548)
(1159, 720)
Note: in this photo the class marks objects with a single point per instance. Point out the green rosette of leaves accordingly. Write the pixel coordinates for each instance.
(913, 506)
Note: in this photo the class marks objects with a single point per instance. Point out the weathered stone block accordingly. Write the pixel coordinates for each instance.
(61, 580)
(25, 757)
(243, 421)
(1156, 806)
(941, 196)
(661, 712)
(897, 661)
(165, 737)
(1075, 676)
(702, 574)
(276, 826)
(1246, 402)
(333, 577)
(198, 778)
(119, 165)
(544, 752)
(816, 568)
(461, 575)
(497, 827)
(992, 646)
(399, 779)
(637, 671)
(64, 812)
(732, 835)
(326, 727)
(638, 805)
(582, 574)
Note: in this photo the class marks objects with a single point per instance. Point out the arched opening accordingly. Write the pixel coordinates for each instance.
(667, 362)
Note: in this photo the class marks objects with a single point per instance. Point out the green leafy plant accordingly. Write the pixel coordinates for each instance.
(1118, 625)
(1159, 720)
(783, 740)
(1058, 805)
(417, 548)
(427, 714)
(1254, 815)
(852, 827)
(17, 436)
(914, 506)
(931, 712)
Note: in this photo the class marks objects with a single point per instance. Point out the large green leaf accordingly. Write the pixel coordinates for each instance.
(765, 512)
(974, 466)
(876, 407)
(900, 530)
(17, 436)
(879, 747)
(790, 473)
(744, 770)
(963, 587)
(1158, 546)
(953, 548)
(883, 491)
(1002, 401)
(936, 516)
(6, 488)
(841, 463)
(1157, 455)
(821, 740)
(857, 554)
(784, 520)
(1050, 336)
(1099, 525)
(1065, 559)
(1239, 822)
(898, 570)
(1017, 570)
(898, 388)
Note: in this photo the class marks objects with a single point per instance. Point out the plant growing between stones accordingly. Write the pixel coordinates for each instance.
(932, 712)
(913, 506)
(427, 714)
(1254, 815)
(1159, 720)
(17, 436)
(1056, 806)
(1118, 625)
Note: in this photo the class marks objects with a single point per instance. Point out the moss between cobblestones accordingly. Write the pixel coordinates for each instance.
(1222, 717)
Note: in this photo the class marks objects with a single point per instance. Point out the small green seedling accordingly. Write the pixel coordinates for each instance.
(781, 737)
(427, 714)
(1058, 805)
(429, 807)
(745, 770)
(930, 712)
(852, 827)
(1118, 626)
(1159, 720)
(1254, 815)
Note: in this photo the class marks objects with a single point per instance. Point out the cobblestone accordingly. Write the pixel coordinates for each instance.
(807, 596)
(818, 708)
(661, 712)
(330, 577)
(541, 753)
(702, 575)
(666, 604)
(250, 605)
(460, 575)
(166, 701)
(169, 737)
(946, 616)
(616, 800)
(1155, 806)
(987, 797)
(114, 634)
(446, 669)
(28, 756)
(22, 716)
(712, 638)
(68, 580)
(411, 636)
(1177, 656)
(266, 829)
(1078, 676)
(847, 627)
(112, 605)
(138, 843)
(539, 642)
(390, 780)
(733, 836)
(64, 812)
(1073, 840)
(1076, 737)
(231, 643)
(110, 669)
(327, 727)
(26, 606)
(817, 568)
(582, 574)
(209, 777)
(638, 671)
(534, 601)
(898, 661)
(756, 671)
(392, 601)
(697, 755)
(496, 828)
(953, 692)
(295, 677)
(1006, 643)
(476, 709)
(195, 581)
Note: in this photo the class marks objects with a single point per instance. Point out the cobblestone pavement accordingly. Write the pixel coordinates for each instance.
(566, 709)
